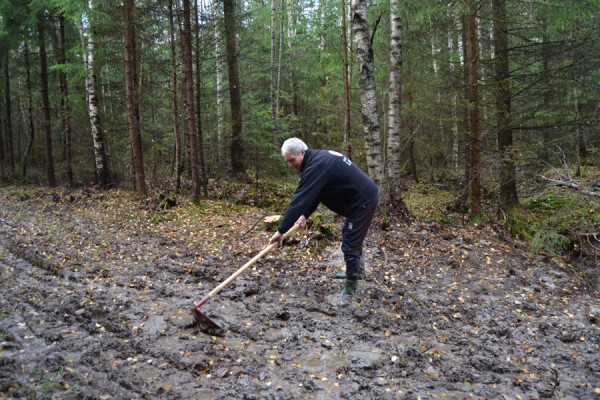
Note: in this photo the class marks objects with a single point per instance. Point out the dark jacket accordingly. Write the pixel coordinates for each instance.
(330, 178)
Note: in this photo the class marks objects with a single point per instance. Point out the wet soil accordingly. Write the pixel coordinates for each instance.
(96, 292)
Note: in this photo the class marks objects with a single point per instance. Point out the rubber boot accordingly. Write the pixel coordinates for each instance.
(361, 272)
(349, 290)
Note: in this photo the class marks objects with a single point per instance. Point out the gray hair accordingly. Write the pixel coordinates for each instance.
(293, 145)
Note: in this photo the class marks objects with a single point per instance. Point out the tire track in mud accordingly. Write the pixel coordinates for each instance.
(79, 339)
(423, 327)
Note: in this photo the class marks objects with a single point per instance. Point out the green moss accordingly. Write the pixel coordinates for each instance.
(547, 202)
(427, 202)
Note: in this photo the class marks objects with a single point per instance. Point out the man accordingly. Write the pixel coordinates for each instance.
(330, 178)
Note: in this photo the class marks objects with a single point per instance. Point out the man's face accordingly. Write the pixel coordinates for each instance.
(294, 161)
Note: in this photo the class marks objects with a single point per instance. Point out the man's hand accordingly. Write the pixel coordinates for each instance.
(301, 221)
(277, 238)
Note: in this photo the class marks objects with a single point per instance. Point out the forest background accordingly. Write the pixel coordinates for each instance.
(474, 102)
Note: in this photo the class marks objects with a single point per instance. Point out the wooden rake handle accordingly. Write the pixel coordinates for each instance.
(249, 263)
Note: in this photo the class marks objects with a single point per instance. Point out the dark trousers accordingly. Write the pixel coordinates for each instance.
(354, 232)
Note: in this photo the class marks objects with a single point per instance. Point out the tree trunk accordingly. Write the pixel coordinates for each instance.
(455, 151)
(474, 130)
(202, 159)
(291, 39)
(101, 161)
(31, 135)
(508, 183)
(220, 73)
(346, 71)
(580, 149)
(174, 105)
(547, 93)
(322, 113)
(394, 152)
(10, 152)
(273, 70)
(46, 103)
(188, 84)
(411, 134)
(393, 162)
(2, 160)
(279, 60)
(133, 120)
(368, 102)
(238, 162)
(65, 106)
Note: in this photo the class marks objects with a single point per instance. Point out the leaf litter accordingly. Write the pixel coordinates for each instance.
(97, 289)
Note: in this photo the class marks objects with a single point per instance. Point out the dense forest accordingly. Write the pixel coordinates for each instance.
(140, 163)
(143, 93)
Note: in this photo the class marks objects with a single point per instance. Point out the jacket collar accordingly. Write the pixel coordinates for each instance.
(307, 155)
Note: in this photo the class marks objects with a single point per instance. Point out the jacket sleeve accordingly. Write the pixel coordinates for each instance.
(306, 198)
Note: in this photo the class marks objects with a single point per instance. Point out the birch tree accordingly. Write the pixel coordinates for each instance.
(291, 44)
(220, 74)
(273, 69)
(393, 150)
(346, 73)
(89, 46)
(368, 94)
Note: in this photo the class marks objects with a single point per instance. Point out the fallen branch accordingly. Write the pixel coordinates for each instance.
(572, 185)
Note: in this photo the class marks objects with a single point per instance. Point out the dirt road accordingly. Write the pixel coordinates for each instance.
(96, 292)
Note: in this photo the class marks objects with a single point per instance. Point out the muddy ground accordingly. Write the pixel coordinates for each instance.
(96, 291)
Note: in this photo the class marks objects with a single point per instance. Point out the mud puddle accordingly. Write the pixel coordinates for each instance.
(439, 316)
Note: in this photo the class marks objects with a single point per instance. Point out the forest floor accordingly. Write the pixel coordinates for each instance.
(97, 287)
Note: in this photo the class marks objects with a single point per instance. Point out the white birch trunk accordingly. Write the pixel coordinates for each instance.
(291, 36)
(273, 69)
(368, 95)
(220, 72)
(279, 60)
(393, 153)
(102, 175)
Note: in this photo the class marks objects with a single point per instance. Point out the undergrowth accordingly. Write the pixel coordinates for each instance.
(554, 221)
(550, 222)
